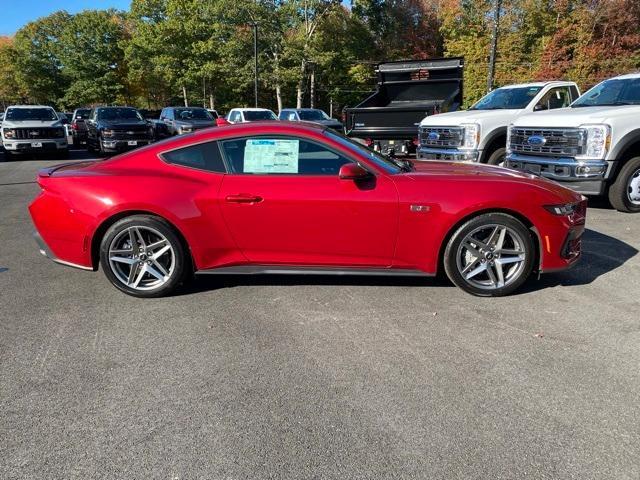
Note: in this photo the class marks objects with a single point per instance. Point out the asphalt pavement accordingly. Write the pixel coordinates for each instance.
(317, 377)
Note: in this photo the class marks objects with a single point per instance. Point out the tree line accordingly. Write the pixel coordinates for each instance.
(311, 52)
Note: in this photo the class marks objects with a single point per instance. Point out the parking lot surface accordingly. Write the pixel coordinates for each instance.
(317, 377)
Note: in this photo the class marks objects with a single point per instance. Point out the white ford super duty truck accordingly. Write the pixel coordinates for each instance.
(479, 134)
(592, 147)
(33, 128)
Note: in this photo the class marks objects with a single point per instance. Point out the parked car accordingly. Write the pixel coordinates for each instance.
(181, 120)
(79, 126)
(213, 112)
(300, 198)
(407, 91)
(592, 147)
(33, 128)
(310, 115)
(116, 129)
(243, 115)
(479, 134)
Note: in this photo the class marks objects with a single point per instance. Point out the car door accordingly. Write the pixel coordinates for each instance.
(284, 203)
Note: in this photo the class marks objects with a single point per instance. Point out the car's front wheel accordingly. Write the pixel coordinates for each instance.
(490, 255)
(143, 256)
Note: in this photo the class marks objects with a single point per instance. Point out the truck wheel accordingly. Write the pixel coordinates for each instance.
(624, 194)
(497, 157)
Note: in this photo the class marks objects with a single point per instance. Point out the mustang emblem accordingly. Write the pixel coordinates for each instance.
(536, 140)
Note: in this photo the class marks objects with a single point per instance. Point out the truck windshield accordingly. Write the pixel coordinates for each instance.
(20, 114)
(192, 114)
(253, 115)
(383, 162)
(119, 114)
(613, 92)
(507, 98)
(313, 115)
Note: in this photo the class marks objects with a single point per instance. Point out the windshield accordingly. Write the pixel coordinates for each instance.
(82, 113)
(253, 115)
(383, 162)
(313, 115)
(507, 97)
(192, 114)
(119, 114)
(617, 91)
(31, 114)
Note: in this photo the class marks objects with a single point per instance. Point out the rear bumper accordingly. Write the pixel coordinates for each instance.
(46, 251)
(588, 178)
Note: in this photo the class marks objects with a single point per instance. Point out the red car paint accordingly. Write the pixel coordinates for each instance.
(400, 221)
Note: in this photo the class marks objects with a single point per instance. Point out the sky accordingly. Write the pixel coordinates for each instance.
(16, 13)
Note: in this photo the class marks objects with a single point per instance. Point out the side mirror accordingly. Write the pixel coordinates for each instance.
(538, 108)
(352, 171)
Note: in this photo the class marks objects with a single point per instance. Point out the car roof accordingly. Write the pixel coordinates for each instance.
(627, 76)
(246, 109)
(539, 84)
(30, 106)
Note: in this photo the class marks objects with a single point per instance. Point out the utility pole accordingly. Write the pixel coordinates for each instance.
(494, 44)
(255, 55)
(312, 89)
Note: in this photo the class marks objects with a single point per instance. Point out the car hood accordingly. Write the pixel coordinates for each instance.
(31, 123)
(466, 116)
(121, 124)
(574, 117)
(484, 173)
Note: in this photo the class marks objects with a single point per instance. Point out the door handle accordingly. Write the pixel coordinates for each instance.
(243, 198)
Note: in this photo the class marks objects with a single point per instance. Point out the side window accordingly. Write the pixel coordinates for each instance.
(233, 117)
(283, 115)
(170, 114)
(281, 155)
(558, 97)
(292, 117)
(204, 156)
(574, 93)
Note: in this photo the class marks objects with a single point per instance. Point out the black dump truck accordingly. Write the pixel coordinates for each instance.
(407, 91)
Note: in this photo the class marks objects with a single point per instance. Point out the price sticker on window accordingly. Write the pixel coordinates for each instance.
(271, 156)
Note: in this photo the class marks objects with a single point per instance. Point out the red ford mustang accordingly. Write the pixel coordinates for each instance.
(283, 197)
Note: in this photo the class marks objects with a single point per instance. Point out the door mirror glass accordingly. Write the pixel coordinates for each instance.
(352, 171)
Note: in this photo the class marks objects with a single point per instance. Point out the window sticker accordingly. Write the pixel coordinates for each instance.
(271, 156)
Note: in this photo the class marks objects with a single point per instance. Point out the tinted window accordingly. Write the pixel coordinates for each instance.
(616, 91)
(192, 114)
(118, 114)
(254, 115)
(204, 156)
(313, 115)
(281, 155)
(506, 98)
(82, 113)
(31, 114)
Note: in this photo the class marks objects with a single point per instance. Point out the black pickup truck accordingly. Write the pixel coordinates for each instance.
(407, 91)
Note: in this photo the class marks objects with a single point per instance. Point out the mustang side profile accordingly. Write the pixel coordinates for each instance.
(269, 197)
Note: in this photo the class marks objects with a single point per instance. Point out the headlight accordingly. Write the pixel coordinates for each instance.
(471, 136)
(9, 133)
(562, 210)
(186, 129)
(108, 133)
(597, 140)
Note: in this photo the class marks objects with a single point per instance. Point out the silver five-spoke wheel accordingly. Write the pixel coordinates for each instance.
(141, 258)
(491, 256)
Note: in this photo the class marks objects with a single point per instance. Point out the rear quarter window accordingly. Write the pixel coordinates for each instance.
(203, 156)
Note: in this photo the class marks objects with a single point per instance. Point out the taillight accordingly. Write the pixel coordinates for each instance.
(368, 142)
(74, 125)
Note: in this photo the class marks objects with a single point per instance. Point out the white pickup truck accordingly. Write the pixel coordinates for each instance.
(479, 134)
(33, 128)
(592, 147)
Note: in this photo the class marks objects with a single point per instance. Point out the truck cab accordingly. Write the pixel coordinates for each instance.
(479, 134)
(592, 147)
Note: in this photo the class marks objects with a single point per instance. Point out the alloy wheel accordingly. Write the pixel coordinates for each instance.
(491, 257)
(141, 258)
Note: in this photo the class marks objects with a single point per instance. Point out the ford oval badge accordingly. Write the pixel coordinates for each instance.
(536, 140)
(433, 136)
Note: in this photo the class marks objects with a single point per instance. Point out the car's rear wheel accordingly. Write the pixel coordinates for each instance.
(143, 256)
(624, 194)
(491, 255)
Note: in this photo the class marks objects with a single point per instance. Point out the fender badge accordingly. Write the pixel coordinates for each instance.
(420, 208)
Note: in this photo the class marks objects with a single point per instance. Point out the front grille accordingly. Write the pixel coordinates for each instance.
(441, 136)
(548, 142)
(130, 134)
(37, 133)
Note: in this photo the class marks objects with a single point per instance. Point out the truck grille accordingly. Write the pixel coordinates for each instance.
(38, 133)
(130, 134)
(547, 142)
(441, 136)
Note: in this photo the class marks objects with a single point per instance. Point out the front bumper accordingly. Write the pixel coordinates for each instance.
(588, 178)
(109, 145)
(45, 145)
(453, 154)
(46, 251)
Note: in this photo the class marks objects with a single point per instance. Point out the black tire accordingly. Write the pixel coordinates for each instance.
(619, 190)
(520, 272)
(497, 157)
(176, 275)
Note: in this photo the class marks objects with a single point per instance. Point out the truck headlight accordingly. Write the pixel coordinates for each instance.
(108, 133)
(470, 136)
(596, 143)
(185, 129)
(9, 133)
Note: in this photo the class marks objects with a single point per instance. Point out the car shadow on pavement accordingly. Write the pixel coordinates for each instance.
(600, 255)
